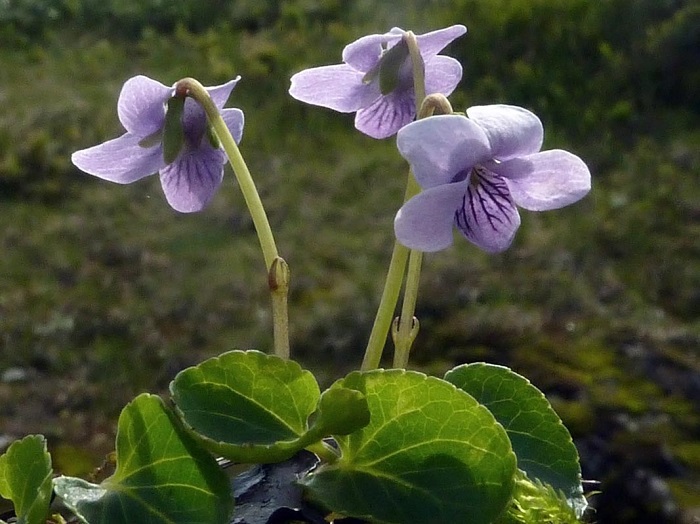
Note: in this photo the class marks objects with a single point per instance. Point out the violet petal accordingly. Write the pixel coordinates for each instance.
(546, 180)
(234, 120)
(190, 182)
(487, 215)
(363, 54)
(337, 87)
(194, 119)
(141, 105)
(194, 122)
(426, 221)
(441, 147)
(387, 115)
(513, 131)
(120, 160)
(220, 94)
(442, 74)
(432, 43)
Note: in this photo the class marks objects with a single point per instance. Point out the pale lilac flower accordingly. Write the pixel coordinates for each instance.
(475, 170)
(357, 84)
(191, 179)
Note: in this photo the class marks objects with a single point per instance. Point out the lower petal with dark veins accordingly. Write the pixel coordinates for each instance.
(488, 216)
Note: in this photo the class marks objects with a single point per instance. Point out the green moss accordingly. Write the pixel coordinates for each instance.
(688, 453)
(73, 461)
(685, 492)
(536, 503)
(578, 416)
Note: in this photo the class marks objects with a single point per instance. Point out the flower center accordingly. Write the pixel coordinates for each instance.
(462, 175)
(486, 202)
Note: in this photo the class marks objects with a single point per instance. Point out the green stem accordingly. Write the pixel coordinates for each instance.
(418, 69)
(387, 304)
(324, 452)
(400, 254)
(406, 328)
(279, 283)
(405, 332)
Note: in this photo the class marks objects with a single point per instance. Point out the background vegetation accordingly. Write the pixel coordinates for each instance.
(106, 292)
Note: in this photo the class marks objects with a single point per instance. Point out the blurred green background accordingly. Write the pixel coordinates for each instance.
(106, 292)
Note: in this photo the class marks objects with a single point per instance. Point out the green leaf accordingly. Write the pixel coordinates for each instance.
(248, 406)
(540, 440)
(430, 454)
(162, 475)
(25, 478)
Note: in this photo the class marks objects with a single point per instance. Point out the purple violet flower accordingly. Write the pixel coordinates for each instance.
(191, 179)
(475, 170)
(378, 84)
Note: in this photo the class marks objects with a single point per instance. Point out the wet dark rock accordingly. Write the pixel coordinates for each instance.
(269, 494)
(263, 490)
(624, 494)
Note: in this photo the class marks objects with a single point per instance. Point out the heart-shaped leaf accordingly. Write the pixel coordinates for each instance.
(162, 477)
(25, 478)
(248, 406)
(540, 440)
(430, 454)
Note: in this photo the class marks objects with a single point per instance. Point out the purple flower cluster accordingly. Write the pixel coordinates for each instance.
(474, 169)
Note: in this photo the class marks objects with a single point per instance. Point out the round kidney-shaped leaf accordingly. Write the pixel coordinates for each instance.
(430, 454)
(163, 476)
(25, 478)
(248, 406)
(540, 440)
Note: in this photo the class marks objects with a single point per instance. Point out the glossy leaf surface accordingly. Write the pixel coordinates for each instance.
(162, 475)
(252, 407)
(540, 440)
(429, 454)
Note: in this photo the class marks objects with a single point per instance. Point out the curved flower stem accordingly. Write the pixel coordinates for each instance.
(278, 271)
